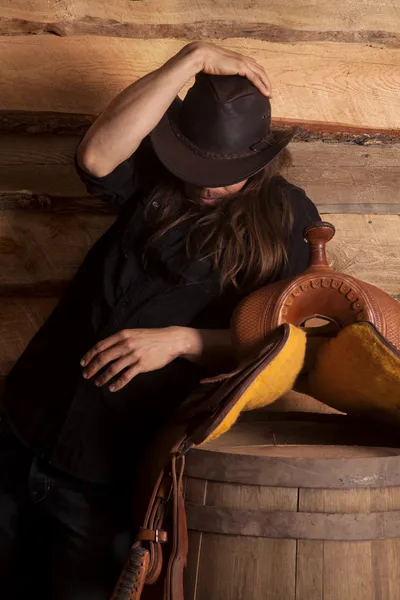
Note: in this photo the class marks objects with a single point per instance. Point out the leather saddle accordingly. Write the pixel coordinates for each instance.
(319, 291)
(352, 363)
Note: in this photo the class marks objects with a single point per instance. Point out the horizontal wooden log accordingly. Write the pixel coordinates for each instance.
(20, 318)
(31, 122)
(41, 180)
(45, 246)
(41, 289)
(300, 21)
(339, 157)
(46, 149)
(40, 251)
(347, 199)
(38, 171)
(28, 121)
(28, 200)
(348, 178)
(361, 208)
(200, 30)
(367, 246)
(340, 84)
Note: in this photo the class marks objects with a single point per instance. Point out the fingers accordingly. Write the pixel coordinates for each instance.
(116, 367)
(125, 378)
(264, 79)
(249, 68)
(261, 79)
(256, 79)
(222, 61)
(102, 359)
(103, 345)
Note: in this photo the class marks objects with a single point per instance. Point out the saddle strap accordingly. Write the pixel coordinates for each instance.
(152, 531)
(173, 589)
(144, 566)
(133, 576)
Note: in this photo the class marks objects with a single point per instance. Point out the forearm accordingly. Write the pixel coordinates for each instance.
(212, 348)
(133, 114)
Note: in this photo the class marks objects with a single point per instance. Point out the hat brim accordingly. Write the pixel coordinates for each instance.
(189, 166)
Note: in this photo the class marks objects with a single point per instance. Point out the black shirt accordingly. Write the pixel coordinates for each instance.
(88, 431)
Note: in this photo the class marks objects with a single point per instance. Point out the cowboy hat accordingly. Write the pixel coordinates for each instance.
(220, 133)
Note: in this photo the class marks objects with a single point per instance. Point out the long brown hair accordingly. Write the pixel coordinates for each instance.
(245, 236)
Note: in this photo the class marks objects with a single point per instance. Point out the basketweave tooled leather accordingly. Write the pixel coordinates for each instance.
(318, 292)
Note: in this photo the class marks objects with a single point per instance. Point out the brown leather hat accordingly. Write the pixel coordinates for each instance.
(220, 133)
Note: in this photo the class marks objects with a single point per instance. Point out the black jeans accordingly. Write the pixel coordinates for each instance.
(60, 538)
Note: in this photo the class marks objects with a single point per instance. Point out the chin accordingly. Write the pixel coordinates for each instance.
(209, 201)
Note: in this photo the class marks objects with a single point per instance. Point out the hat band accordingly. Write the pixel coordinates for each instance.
(261, 145)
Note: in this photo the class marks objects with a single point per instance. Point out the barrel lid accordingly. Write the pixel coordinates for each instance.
(332, 451)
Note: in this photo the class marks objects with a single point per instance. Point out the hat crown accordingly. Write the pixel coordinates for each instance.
(224, 114)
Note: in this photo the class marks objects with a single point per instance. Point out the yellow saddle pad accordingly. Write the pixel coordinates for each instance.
(271, 382)
(356, 372)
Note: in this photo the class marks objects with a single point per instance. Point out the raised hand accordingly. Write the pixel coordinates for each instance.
(221, 61)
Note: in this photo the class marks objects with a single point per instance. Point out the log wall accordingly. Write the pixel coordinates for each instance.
(334, 70)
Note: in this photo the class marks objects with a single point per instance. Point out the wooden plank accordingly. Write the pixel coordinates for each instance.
(367, 569)
(190, 574)
(367, 246)
(44, 180)
(195, 491)
(224, 568)
(49, 246)
(41, 289)
(25, 121)
(45, 246)
(357, 209)
(20, 318)
(37, 171)
(234, 567)
(345, 85)
(342, 157)
(45, 149)
(345, 21)
(254, 497)
(386, 569)
(309, 570)
(348, 178)
(340, 178)
(347, 571)
(319, 563)
(28, 200)
(350, 501)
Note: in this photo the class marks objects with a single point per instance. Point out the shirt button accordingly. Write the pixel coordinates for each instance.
(124, 302)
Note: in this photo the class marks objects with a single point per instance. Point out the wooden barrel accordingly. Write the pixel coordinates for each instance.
(288, 509)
